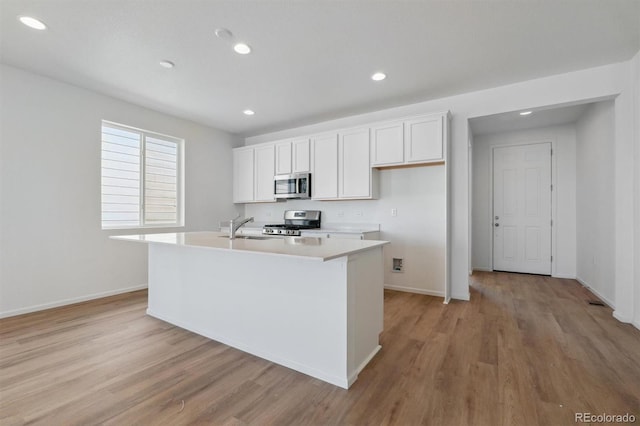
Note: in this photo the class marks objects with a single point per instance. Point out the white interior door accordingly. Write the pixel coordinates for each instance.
(522, 208)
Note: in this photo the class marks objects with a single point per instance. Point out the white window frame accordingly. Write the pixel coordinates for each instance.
(180, 211)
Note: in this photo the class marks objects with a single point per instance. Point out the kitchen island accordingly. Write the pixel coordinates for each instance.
(311, 304)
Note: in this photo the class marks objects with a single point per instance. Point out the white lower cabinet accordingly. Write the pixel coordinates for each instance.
(355, 235)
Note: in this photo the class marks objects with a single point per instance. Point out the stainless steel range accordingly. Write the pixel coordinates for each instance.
(294, 222)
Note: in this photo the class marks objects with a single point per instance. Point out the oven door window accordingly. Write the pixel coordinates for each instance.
(285, 186)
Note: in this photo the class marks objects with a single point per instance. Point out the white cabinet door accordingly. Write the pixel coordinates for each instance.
(354, 173)
(264, 171)
(387, 144)
(423, 139)
(243, 175)
(300, 156)
(283, 158)
(324, 177)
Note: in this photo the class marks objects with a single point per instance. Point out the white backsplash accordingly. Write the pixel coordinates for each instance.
(417, 233)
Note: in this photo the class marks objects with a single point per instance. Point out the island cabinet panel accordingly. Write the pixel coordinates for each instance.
(387, 144)
(243, 175)
(320, 318)
(354, 171)
(264, 171)
(324, 173)
(423, 139)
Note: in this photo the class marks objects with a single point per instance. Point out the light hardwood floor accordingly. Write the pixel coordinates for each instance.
(527, 350)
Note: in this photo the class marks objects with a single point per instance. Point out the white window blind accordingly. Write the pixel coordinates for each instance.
(141, 178)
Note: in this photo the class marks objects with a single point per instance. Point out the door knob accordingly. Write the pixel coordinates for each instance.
(496, 224)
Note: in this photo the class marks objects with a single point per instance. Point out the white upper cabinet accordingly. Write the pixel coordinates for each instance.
(387, 144)
(411, 141)
(340, 162)
(264, 170)
(324, 170)
(292, 157)
(300, 156)
(423, 139)
(354, 171)
(283, 158)
(253, 170)
(243, 175)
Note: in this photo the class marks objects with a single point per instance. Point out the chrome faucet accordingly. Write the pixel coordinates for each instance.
(235, 224)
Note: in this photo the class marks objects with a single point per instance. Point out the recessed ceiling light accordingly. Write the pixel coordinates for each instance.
(526, 112)
(248, 112)
(242, 48)
(32, 22)
(379, 76)
(223, 33)
(167, 64)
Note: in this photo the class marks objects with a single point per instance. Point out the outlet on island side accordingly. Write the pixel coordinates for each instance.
(397, 265)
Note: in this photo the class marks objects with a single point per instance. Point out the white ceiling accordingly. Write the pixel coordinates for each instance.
(311, 60)
(513, 121)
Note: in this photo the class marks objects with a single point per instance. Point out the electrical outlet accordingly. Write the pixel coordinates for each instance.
(394, 212)
(358, 212)
(398, 265)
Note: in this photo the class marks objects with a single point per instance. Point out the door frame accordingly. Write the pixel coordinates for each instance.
(554, 203)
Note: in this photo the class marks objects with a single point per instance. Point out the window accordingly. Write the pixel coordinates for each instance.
(141, 178)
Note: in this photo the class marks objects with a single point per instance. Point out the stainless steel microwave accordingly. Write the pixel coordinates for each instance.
(297, 185)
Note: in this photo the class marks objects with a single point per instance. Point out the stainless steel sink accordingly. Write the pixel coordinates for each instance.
(249, 237)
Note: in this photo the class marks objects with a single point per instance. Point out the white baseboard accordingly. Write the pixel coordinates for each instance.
(482, 269)
(466, 296)
(64, 302)
(415, 290)
(627, 320)
(564, 276)
(597, 293)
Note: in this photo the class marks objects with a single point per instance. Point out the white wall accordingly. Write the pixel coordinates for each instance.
(564, 89)
(52, 250)
(417, 234)
(595, 200)
(563, 139)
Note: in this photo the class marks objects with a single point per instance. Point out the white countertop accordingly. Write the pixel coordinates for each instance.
(312, 248)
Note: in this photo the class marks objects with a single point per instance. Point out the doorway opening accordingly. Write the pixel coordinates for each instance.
(582, 236)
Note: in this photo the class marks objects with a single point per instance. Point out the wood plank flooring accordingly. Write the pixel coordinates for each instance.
(527, 350)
